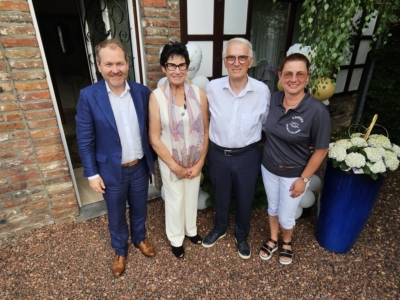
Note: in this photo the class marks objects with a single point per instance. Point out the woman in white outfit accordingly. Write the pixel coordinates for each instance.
(178, 115)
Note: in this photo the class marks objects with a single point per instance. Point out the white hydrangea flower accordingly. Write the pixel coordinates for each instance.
(373, 154)
(396, 149)
(356, 134)
(331, 145)
(376, 140)
(392, 164)
(355, 160)
(389, 155)
(344, 143)
(338, 152)
(378, 167)
(381, 150)
(359, 142)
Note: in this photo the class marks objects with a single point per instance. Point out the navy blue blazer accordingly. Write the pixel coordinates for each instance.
(97, 134)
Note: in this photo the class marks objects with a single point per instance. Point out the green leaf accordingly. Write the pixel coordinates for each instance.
(310, 20)
(352, 149)
(326, 6)
(374, 176)
(312, 9)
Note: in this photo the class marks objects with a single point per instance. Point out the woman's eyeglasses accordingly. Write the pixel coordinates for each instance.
(232, 59)
(299, 75)
(172, 67)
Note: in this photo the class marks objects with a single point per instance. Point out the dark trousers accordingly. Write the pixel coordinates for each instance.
(239, 172)
(134, 189)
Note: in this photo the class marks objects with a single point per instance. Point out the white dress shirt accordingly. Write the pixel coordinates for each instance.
(237, 121)
(127, 124)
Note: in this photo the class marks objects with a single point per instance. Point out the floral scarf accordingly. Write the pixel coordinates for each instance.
(186, 157)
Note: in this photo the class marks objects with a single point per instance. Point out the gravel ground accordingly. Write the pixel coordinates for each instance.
(72, 261)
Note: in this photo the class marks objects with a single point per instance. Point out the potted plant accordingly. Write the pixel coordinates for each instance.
(354, 175)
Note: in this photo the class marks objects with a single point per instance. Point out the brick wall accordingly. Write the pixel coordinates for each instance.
(35, 184)
(160, 24)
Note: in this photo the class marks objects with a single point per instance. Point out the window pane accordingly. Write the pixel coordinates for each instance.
(268, 31)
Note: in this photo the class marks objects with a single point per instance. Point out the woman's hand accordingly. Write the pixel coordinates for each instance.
(180, 172)
(297, 188)
(195, 170)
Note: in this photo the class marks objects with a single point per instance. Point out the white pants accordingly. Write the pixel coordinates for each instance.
(181, 198)
(279, 201)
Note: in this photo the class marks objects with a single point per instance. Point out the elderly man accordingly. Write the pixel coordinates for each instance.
(112, 134)
(238, 107)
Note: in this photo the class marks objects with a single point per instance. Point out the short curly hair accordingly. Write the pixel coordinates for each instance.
(174, 49)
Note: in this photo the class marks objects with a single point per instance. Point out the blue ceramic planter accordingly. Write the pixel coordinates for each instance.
(345, 204)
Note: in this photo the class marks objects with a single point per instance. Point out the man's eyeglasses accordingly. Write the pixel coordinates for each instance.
(172, 67)
(299, 75)
(232, 59)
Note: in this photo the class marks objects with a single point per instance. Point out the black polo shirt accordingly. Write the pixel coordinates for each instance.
(290, 135)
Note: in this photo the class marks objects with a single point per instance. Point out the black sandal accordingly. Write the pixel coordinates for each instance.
(286, 253)
(268, 250)
(195, 239)
(179, 252)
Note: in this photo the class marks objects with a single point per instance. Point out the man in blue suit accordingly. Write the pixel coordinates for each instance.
(112, 134)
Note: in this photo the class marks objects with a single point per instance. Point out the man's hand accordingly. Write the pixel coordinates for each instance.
(97, 185)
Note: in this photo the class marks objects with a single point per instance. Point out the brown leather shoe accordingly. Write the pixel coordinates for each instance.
(118, 266)
(146, 248)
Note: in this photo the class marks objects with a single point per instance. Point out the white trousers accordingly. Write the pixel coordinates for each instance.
(279, 201)
(181, 198)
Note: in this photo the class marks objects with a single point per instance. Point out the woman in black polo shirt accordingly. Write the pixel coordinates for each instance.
(295, 122)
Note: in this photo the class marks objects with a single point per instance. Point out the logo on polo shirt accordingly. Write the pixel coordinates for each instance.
(294, 126)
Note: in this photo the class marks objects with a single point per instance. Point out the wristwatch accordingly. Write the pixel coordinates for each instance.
(305, 179)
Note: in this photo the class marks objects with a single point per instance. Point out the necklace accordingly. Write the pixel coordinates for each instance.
(293, 105)
(184, 105)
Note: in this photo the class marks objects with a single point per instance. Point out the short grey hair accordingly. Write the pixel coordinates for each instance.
(238, 40)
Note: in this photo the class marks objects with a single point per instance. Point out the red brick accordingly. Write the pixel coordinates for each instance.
(13, 117)
(63, 207)
(44, 133)
(14, 6)
(12, 126)
(15, 18)
(53, 165)
(40, 114)
(7, 213)
(25, 152)
(7, 97)
(152, 59)
(29, 168)
(7, 155)
(5, 198)
(174, 14)
(51, 157)
(34, 95)
(14, 145)
(38, 197)
(19, 161)
(3, 181)
(21, 217)
(1, 118)
(155, 31)
(153, 51)
(153, 3)
(32, 64)
(13, 187)
(51, 149)
(174, 23)
(35, 182)
(151, 85)
(34, 206)
(19, 42)
(61, 194)
(24, 177)
(16, 203)
(42, 123)
(28, 75)
(155, 13)
(175, 32)
(70, 212)
(157, 76)
(59, 186)
(22, 53)
(9, 172)
(46, 142)
(19, 135)
(66, 200)
(4, 76)
(56, 180)
(156, 41)
(3, 66)
(155, 23)
(6, 86)
(36, 105)
(30, 86)
(17, 30)
(8, 107)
